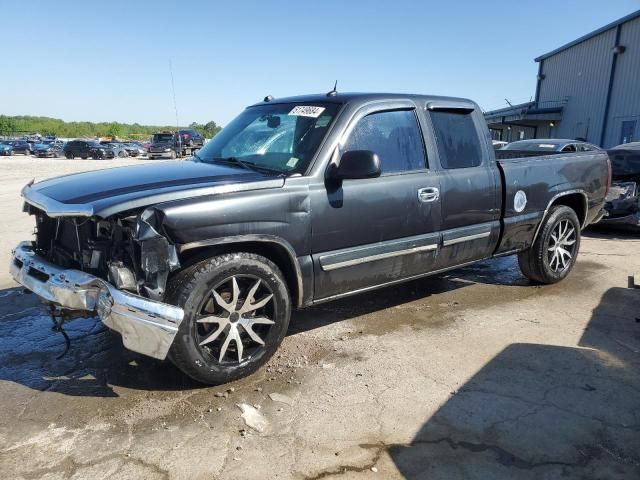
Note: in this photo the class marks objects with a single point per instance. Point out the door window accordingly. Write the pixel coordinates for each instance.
(457, 140)
(394, 136)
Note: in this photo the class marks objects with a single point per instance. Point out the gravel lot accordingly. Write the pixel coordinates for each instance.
(473, 374)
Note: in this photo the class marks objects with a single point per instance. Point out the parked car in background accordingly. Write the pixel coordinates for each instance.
(47, 149)
(86, 149)
(163, 145)
(134, 149)
(21, 146)
(175, 144)
(543, 146)
(189, 138)
(118, 149)
(202, 261)
(6, 148)
(623, 199)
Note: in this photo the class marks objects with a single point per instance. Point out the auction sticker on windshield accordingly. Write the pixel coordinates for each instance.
(306, 111)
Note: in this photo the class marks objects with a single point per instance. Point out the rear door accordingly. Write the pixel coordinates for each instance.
(370, 232)
(470, 183)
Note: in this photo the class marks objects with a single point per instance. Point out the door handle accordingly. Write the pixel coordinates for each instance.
(429, 194)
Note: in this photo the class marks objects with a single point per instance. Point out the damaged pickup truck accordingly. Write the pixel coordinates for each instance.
(297, 201)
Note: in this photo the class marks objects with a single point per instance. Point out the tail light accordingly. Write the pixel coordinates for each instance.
(609, 176)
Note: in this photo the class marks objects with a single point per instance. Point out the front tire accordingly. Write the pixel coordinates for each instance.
(553, 254)
(236, 313)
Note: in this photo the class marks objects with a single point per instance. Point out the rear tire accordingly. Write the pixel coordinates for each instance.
(553, 255)
(213, 294)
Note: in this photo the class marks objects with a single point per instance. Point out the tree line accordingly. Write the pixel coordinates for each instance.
(24, 125)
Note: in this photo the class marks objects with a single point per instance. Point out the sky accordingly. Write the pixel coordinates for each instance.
(110, 60)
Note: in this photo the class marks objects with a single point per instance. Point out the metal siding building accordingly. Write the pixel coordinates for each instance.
(587, 89)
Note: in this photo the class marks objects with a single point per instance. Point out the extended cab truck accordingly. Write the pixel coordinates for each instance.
(298, 201)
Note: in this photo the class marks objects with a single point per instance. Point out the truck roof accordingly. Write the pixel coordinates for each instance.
(359, 97)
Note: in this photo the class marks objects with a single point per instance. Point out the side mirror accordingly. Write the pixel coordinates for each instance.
(357, 164)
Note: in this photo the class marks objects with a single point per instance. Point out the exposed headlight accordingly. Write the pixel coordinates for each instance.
(167, 149)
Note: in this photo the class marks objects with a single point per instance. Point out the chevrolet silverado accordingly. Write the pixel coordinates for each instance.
(297, 201)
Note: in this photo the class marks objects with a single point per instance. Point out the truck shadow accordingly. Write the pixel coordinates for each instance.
(542, 411)
(499, 271)
(611, 233)
(97, 361)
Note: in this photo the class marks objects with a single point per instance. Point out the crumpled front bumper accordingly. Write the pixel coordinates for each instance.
(146, 326)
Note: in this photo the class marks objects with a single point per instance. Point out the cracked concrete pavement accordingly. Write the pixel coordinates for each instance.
(471, 374)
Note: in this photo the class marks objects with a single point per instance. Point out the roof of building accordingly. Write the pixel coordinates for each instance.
(600, 30)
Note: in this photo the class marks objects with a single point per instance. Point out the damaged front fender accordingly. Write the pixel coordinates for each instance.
(158, 256)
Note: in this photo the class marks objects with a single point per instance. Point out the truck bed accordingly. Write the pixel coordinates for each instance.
(580, 178)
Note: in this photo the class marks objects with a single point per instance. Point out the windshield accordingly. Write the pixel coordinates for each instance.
(280, 137)
(531, 146)
(163, 137)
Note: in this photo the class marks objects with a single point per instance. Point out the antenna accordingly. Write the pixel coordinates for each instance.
(173, 90)
(508, 102)
(175, 105)
(333, 92)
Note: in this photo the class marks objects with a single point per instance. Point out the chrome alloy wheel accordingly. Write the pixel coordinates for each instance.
(237, 314)
(561, 246)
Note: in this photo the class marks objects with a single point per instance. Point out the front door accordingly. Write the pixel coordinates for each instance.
(369, 232)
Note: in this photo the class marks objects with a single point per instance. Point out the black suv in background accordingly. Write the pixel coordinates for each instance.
(86, 149)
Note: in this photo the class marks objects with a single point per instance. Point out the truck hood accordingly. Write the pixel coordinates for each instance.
(105, 192)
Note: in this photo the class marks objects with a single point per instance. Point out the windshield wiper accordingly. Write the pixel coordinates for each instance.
(254, 167)
(234, 160)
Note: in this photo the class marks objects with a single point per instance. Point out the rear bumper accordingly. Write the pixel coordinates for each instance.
(146, 326)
